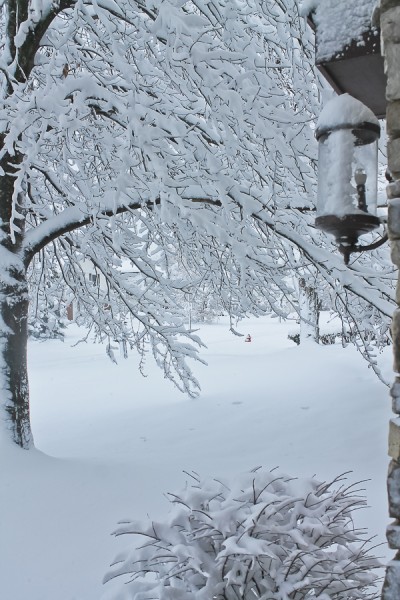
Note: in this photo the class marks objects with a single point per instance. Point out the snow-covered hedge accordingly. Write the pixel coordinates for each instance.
(264, 535)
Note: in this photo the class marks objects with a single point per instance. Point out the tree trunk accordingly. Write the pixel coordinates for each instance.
(309, 309)
(13, 354)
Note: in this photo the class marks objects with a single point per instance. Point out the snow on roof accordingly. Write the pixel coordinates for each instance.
(345, 109)
(338, 22)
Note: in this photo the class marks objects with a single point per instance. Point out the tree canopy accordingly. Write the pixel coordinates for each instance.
(170, 143)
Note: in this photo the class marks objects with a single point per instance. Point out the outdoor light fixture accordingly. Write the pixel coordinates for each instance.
(350, 58)
(347, 134)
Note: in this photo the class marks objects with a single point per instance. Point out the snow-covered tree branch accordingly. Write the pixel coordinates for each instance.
(169, 143)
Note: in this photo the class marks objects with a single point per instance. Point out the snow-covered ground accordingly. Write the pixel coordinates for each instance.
(111, 442)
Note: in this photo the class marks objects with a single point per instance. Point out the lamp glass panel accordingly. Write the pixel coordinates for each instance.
(347, 173)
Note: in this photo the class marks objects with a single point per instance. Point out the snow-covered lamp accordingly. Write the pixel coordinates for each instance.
(347, 134)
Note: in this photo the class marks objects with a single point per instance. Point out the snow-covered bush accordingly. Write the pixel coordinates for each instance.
(264, 535)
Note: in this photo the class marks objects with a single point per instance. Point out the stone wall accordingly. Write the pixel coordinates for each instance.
(390, 32)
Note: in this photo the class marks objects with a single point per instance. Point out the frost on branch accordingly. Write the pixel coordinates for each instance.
(264, 535)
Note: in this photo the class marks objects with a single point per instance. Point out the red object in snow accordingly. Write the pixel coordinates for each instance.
(248, 338)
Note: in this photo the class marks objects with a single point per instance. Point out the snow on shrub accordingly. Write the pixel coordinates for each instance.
(263, 536)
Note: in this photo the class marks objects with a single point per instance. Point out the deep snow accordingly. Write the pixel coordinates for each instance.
(110, 443)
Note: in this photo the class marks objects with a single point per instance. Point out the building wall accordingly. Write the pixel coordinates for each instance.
(390, 43)
(92, 278)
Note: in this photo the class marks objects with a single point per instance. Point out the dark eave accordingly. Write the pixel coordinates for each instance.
(356, 69)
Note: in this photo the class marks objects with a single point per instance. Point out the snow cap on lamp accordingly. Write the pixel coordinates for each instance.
(345, 109)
